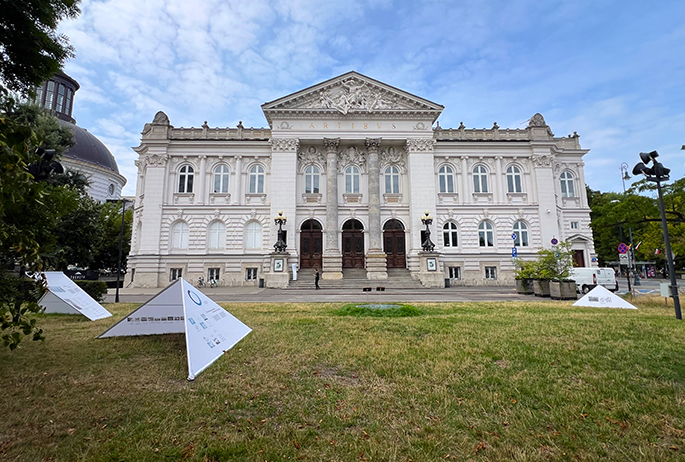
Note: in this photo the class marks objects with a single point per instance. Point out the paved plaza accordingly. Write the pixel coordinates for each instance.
(452, 294)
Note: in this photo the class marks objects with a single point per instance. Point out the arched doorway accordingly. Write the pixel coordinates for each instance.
(310, 244)
(394, 244)
(353, 244)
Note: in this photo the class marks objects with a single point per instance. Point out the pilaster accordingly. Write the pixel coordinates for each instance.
(420, 155)
(283, 172)
(547, 206)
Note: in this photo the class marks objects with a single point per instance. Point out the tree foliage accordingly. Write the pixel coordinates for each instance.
(31, 51)
(615, 215)
(29, 212)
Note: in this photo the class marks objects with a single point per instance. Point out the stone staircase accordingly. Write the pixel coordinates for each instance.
(355, 279)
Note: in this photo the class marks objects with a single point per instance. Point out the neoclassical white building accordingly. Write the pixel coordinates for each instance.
(353, 164)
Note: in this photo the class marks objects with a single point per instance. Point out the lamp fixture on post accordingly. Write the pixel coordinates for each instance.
(427, 244)
(658, 173)
(632, 262)
(121, 242)
(280, 220)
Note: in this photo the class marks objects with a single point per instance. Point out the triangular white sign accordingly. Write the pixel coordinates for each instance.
(209, 329)
(600, 297)
(64, 296)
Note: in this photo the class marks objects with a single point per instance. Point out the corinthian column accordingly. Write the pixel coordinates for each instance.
(376, 262)
(332, 259)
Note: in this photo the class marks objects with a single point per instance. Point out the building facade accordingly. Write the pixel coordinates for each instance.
(353, 164)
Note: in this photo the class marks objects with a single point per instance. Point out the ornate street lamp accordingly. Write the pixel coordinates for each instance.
(427, 220)
(658, 173)
(280, 220)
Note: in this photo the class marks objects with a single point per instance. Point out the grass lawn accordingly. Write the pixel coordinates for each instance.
(464, 381)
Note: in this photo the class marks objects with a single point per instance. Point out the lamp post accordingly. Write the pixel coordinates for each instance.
(121, 242)
(280, 220)
(658, 173)
(632, 263)
(427, 244)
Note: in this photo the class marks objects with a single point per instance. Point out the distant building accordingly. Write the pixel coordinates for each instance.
(353, 164)
(89, 155)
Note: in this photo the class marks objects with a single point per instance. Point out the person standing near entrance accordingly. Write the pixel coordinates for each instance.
(316, 278)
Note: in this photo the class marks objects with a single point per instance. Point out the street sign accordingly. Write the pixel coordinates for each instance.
(554, 241)
(622, 248)
(514, 252)
(514, 236)
(623, 258)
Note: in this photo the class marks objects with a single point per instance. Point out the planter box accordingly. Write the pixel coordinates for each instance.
(563, 290)
(524, 286)
(541, 287)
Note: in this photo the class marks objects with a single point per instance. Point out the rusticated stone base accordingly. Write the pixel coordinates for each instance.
(376, 265)
(430, 273)
(332, 267)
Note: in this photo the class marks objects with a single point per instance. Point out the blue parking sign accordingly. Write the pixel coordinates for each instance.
(514, 252)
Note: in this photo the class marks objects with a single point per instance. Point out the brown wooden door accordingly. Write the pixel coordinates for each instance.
(311, 247)
(394, 244)
(578, 258)
(394, 248)
(353, 248)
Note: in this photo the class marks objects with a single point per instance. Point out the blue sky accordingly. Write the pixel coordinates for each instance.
(613, 71)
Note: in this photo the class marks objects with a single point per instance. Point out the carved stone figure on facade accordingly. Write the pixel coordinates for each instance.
(352, 156)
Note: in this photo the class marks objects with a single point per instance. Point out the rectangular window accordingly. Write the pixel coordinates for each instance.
(455, 272)
(574, 225)
(60, 99)
(490, 272)
(175, 273)
(49, 94)
(250, 274)
(39, 96)
(67, 107)
(213, 274)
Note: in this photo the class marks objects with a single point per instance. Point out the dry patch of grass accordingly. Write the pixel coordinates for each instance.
(469, 381)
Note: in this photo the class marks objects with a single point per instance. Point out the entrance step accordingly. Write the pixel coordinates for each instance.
(355, 279)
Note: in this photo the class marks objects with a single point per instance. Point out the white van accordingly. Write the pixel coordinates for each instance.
(587, 279)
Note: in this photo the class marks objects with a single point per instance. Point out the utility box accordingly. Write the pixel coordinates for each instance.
(665, 289)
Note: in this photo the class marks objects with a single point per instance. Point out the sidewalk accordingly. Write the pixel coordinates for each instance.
(256, 295)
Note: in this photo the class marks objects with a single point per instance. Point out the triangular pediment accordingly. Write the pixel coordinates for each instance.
(352, 94)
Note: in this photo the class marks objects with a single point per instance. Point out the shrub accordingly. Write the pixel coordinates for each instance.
(96, 289)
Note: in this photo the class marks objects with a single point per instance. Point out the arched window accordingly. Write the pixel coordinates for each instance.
(352, 180)
(446, 179)
(480, 179)
(179, 235)
(486, 235)
(449, 234)
(392, 180)
(253, 235)
(221, 176)
(311, 180)
(185, 179)
(514, 179)
(521, 230)
(567, 187)
(216, 235)
(256, 179)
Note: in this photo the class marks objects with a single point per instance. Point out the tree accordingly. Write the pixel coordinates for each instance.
(29, 212)
(614, 214)
(107, 248)
(31, 51)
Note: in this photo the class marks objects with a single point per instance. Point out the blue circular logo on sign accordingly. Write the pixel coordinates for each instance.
(513, 236)
(554, 241)
(622, 248)
(194, 297)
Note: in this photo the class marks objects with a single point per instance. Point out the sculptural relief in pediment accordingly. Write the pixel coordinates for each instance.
(353, 95)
